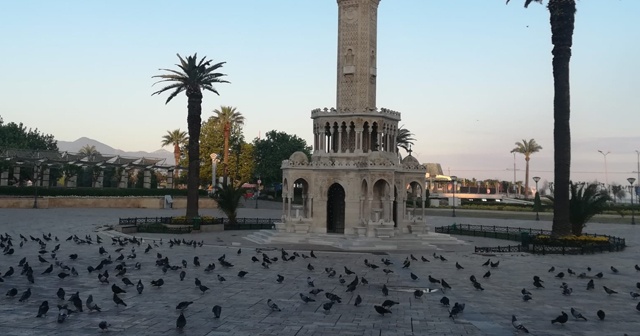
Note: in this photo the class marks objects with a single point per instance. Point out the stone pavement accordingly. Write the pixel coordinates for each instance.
(243, 301)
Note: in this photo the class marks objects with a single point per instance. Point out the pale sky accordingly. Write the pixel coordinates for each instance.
(470, 77)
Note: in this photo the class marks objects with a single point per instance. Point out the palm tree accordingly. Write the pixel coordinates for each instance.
(562, 18)
(230, 118)
(88, 150)
(526, 148)
(228, 198)
(587, 200)
(192, 77)
(404, 139)
(178, 139)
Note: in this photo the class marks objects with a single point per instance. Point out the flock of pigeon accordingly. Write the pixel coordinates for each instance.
(115, 272)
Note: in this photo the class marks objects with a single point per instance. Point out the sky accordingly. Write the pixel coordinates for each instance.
(470, 77)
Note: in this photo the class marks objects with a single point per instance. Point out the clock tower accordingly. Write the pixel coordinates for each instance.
(357, 39)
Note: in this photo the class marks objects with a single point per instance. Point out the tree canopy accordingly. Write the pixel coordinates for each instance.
(270, 152)
(18, 136)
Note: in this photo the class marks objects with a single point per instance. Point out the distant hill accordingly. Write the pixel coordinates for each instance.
(75, 146)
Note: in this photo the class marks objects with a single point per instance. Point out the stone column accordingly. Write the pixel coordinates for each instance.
(147, 179)
(4, 178)
(310, 202)
(332, 141)
(289, 207)
(123, 179)
(284, 205)
(361, 209)
(304, 206)
(45, 176)
(368, 213)
(340, 139)
(358, 140)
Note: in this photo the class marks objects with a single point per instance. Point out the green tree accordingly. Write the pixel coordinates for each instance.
(231, 120)
(562, 18)
(193, 77)
(526, 148)
(404, 139)
(178, 139)
(271, 151)
(88, 150)
(587, 200)
(17, 136)
(228, 198)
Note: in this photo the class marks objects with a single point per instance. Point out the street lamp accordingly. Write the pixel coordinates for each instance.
(606, 173)
(257, 194)
(633, 215)
(536, 179)
(454, 179)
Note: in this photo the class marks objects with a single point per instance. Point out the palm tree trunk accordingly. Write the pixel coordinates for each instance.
(176, 156)
(526, 178)
(194, 122)
(562, 17)
(227, 128)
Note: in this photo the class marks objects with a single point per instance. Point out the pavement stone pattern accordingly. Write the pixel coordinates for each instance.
(243, 301)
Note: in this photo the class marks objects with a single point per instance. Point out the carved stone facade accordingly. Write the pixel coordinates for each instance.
(355, 182)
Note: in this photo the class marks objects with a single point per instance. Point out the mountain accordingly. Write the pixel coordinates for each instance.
(75, 146)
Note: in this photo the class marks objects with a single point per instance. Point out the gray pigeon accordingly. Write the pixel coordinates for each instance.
(217, 310)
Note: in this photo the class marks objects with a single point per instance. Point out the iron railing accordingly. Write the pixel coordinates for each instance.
(240, 224)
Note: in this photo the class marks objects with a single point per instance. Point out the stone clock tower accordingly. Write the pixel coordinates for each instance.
(355, 183)
(357, 39)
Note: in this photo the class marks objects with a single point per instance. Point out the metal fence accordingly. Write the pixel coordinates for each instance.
(159, 228)
(529, 244)
(241, 223)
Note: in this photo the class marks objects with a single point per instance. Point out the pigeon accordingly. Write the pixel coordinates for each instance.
(43, 309)
(280, 278)
(127, 282)
(273, 305)
(348, 271)
(221, 278)
(516, 324)
(473, 279)
(562, 319)
(316, 291)
(445, 285)
(552, 269)
(634, 295)
(537, 279)
(117, 290)
(327, 306)
(614, 270)
(599, 275)
(487, 275)
(60, 293)
(183, 305)
(455, 310)
(458, 266)
(590, 285)
(139, 287)
(310, 267)
(600, 314)
(637, 267)
(577, 315)
(570, 271)
(181, 322)
(203, 288)
(118, 301)
(525, 292)
(382, 310)
(182, 275)
(560, 275)
(306, 299)
(424, 259)
(48, 270)
(387, 271)
(609, 291)
(103, 325)
(444, 301)
(385, 290)
(12, 292)
(62, 275)
(157, 283)
(310, 282)
(358, 301)
(91, 305)
(433, 280)
(526, 297)
(496, 264)
(389, 303)
(477, 286)
(217, 310)
(486, 263)
(414, 277)
(241, 274)
(25, 295)
(312, 255)
(418, 293)
(63, 313)
(638, 306)
(537, 284)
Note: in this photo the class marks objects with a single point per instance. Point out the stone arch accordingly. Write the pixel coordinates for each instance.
(336, 195)
(415, 194)
(300, 198)
(381, 197)
(375, 145)
(352, 137)
(344, 137)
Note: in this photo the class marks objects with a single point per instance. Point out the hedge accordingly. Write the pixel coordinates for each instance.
(97, 192)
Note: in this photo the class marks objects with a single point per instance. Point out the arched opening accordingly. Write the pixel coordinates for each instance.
(301, 198)
(380, 204)
(365, 137)
(335, 209)
(414, 198)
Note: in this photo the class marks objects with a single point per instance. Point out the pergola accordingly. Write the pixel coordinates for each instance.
(14, 160)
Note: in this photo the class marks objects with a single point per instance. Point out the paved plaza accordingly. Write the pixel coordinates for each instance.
(243, 300)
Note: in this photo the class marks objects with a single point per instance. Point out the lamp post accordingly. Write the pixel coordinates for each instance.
(606, 173)
(537, 205)
(35, 184)
(633, 215)
(258, 191)
(454, 179)
(214, 166)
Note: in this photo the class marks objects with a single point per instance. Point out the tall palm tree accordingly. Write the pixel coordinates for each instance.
(88, 150)
(404, 139)
(178, 139)
(526, 148)
(230, 119)
(562, 18)
(192, 77)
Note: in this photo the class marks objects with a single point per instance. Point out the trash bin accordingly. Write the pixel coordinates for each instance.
(525, 238)
(196, 223)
